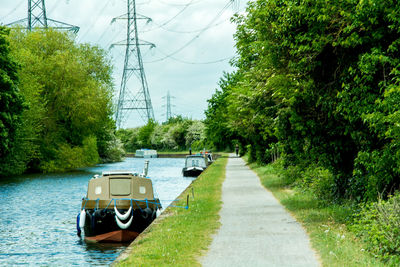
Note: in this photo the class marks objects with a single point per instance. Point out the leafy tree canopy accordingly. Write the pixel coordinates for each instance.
(318, 81)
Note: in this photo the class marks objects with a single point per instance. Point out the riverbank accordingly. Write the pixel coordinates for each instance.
(179, 236)
(325, 223)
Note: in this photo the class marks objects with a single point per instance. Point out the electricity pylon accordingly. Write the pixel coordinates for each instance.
(37, 18)
(132, 98)
(169, 112)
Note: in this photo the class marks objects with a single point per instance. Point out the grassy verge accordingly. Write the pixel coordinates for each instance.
(325, 223)
(179, 236)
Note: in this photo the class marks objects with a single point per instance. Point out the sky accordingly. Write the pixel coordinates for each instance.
(194, 32)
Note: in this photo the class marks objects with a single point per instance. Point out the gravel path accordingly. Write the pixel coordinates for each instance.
(255, 229)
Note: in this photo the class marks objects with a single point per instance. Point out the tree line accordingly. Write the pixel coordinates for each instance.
(316, 83)
(55, 103)
(177, 134)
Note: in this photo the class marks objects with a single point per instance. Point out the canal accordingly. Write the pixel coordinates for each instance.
(38, 213)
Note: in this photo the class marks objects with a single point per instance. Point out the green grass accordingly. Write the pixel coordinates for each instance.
(180, 236)
(325, 223)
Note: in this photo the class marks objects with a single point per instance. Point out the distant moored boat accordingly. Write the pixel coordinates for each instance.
(194, 165)
(146, 153)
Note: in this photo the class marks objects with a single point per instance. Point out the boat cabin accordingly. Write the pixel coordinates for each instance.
(196, 161)
(120, 184)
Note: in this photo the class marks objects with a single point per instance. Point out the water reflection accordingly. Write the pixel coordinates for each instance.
(38, 214)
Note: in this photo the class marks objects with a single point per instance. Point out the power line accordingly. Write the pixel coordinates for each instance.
(230, 2)
(13, 10)
(171, 4)
(95, 21)
(196, 63)
(171, 19)
(192, 31)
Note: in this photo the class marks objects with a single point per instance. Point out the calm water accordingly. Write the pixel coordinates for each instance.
(38, 214)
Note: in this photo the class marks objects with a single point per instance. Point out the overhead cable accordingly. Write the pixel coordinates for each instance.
(95, 21)
(173, 4)
(195, 37)
(171, 19)
(197, 63)
(192, 31)
(13, 10)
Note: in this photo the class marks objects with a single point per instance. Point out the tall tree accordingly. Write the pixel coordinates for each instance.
(68, 87)
(11, 101)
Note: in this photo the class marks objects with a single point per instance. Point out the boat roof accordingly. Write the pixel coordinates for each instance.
(195, 156)
(119, 172)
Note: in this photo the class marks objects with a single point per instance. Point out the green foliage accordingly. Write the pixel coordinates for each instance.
(68, 89)
(217, 129)
(177, 134)
(68, 157)
(319, 81)
(145, 132)
(11, 106)
(379, 225)
(321, 182)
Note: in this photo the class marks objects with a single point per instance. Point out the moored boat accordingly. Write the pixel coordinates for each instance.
(119, 205)
(146, 153)
(194, 165)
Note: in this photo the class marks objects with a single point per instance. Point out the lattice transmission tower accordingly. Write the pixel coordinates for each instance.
(168, 113)
(133, 97)
(37, 18)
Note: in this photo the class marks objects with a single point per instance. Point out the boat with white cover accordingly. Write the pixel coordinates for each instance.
(146, 153)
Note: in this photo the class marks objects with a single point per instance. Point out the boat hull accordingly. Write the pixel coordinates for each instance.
(192, 172)
(101, 225)
(119, 236)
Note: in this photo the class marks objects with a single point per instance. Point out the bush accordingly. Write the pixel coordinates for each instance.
(115, 151)
(290, 174)
(378, 224)
(321, 182)
(68, 157)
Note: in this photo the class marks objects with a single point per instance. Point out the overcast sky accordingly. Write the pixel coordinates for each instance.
(177, 25)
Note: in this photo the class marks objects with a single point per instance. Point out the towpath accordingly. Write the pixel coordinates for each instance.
(255, 229)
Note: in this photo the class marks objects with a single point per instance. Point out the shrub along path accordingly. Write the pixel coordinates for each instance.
(255, 229)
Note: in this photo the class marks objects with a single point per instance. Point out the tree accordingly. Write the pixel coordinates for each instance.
(68, 88)
(11, 104)
(319, 80)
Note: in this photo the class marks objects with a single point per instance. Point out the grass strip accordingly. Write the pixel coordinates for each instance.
(179, 236)
(324, 223)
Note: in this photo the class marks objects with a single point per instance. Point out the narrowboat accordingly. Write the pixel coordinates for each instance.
(146, 153)
(118, 206)
(194, 165)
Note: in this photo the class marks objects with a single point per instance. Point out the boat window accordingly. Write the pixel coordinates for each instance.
(142, 190)
(120, 187)
(97, 191)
